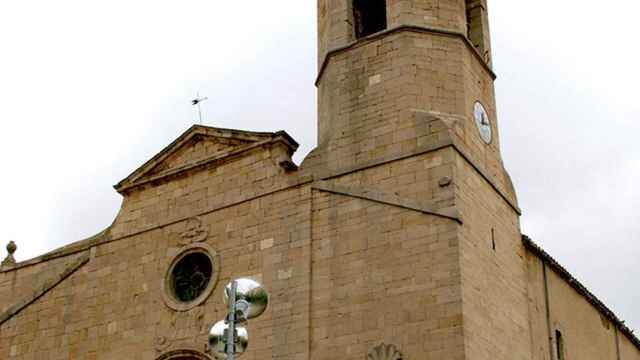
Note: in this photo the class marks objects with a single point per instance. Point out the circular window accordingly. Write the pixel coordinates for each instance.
(191, 277)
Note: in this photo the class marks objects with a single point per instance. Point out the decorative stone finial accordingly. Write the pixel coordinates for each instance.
(11, 249)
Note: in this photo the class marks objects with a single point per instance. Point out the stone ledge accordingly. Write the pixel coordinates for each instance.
(375, 195)
(67, 250)
(105, 237)
(488, 178)
(400, 28)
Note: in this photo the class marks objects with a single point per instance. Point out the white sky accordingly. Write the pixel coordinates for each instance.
(89, 90)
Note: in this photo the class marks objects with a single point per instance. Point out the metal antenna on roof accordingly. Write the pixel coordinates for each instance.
(196, 102)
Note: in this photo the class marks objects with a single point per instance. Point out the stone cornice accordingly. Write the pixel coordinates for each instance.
(370, 194)
(434, 146)
(254, 140)
(64, 251)
(106, 238)
(405, 28)
(488, 178)
(216, 158)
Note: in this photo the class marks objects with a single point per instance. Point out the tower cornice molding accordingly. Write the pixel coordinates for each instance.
(403, 28)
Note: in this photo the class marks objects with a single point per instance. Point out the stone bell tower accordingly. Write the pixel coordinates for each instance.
(384, 63)
(407, 107)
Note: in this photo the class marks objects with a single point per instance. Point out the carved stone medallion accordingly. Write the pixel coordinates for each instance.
(384, 352)
(195, 232)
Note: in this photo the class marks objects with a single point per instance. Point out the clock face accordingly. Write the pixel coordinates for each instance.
(482, 121)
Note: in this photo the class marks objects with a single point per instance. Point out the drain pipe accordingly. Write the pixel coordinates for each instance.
(547, 308)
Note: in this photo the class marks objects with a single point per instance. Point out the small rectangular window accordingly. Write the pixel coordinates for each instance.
(559, 346)
(370, 16)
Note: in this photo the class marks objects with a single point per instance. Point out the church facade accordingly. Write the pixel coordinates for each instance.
(398, 237)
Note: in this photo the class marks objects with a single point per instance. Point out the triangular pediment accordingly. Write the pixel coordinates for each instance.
(198, 146)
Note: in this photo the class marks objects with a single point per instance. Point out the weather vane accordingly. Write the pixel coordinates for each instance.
(196, 102)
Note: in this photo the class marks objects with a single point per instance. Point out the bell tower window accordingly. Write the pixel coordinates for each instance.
(370, 16)
(475, 32)
(478, 28)
(474, 21)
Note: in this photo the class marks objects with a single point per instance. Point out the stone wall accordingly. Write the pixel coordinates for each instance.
(558, 302)
(494, 284)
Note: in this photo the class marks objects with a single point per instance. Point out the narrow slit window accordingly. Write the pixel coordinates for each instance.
(559, 346)
(493, 239)
(370, 16)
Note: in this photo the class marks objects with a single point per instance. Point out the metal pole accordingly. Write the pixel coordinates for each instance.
(199, 109)
(231, 335)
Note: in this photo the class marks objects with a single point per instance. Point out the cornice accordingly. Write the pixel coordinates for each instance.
(403, 28)
(106, 238)
(255, 140)
(431, 147)
(216, 158)
(375, 195)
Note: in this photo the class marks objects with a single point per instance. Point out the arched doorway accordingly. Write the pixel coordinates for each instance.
(184, 355)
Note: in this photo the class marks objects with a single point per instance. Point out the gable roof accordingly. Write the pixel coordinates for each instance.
(581, 289)
(231, 142)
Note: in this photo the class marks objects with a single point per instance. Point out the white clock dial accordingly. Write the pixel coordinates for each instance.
(482, 121)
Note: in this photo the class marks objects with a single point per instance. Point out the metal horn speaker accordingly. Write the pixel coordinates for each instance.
(218, 336)
(251, 297)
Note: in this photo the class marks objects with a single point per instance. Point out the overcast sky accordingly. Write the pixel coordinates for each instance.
(90, 90)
